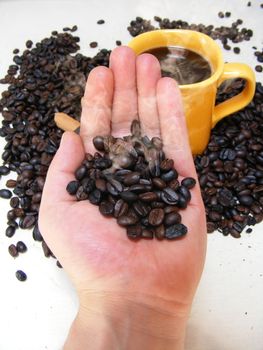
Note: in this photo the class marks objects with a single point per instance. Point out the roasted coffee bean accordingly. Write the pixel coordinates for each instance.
(10, 231)
(174, 184)
(225, 198)
(121, 173)
(169, 196)
(245, 200)
(157, 204)
(14, 202)
(214, 216)
(158, 183)
(72, 187)
(159, 232)
(21, 276)
(182, 190)
(11, 215)
(47, 252)
(106, 208)
(114, 187)
(101, 21)
(188, 182)
(167, 165)
(88, 184)
(21, 247)
(156, 216)
(6, 194)
(175, 231)
(211, 226)
(134, 232)
(12, 249)
(10, 183)
(139, 188)
(146, 182)
(95, 197)
(127, 220)
(81, 194)
(169, 175)
(37, 234)
(103, 163)
(131, 178)
(172, 218)
(80, 172)
(129, 196)
(27, 222)
(4, 170)
(148, 196)
(101, 185)
(170, 209)
(93, 44)
(147, 233)
(141, 209)
(120, 208)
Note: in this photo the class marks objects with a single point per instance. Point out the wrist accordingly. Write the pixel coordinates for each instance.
(128, 322)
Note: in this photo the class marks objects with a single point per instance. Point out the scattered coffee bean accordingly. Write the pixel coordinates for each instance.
(6, 194)
(258, 68)
(100, 21)
(4, 170)
(118, 43)
(10, 231)
(236, 50)
(59, 265)
(37, 234)
(11, 183)
(21, 276)
(12, 249)
(27, 222)
(21, 247)
(93, 44)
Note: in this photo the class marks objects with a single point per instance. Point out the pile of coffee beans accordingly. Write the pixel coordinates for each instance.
(222, 33)
(45, 79)
(231, 170)
(133, 181)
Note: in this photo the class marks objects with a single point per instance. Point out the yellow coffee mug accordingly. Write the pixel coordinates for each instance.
(199, 98)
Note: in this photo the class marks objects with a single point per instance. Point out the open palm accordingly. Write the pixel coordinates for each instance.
(94, 250)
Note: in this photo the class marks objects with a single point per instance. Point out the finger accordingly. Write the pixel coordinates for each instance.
(61, 170)
(173, 126)
(96, 106)
(148, 74)
(123, 65)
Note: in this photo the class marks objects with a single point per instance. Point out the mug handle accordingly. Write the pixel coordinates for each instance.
(234, 104)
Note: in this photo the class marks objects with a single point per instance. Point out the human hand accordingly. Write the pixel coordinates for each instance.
(142, 289)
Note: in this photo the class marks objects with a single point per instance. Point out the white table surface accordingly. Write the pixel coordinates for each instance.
(228, 309)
